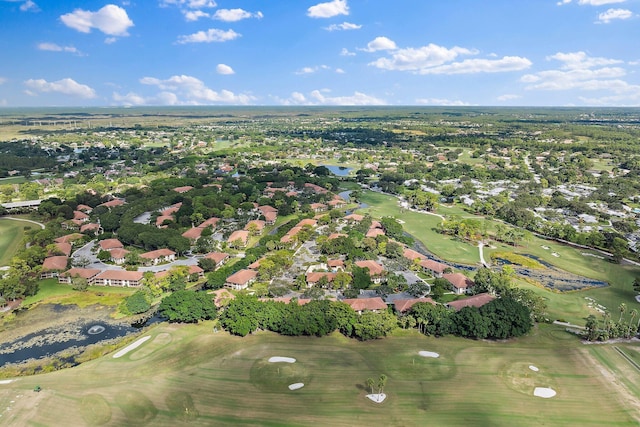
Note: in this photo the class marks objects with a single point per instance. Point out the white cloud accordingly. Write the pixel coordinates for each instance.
(29, 6)
(508, 97)
(316, 97)
(591, 2)
(328, 9)
(194, 15)
(209, 36)
(191, 4)
(224, 69)
(440, 101)
(415, 59)
(611, 14)
(3, 80)
(380, 43)
(345, 26)
(192, 91)
(52, 47)
(471, 66)
(111, 20)
(311, 70)
(233, 15)
(110, 40)
(346, 52)
(580, 60)
(340, 71)
(65, 86)
(435, 59)
(581, 72)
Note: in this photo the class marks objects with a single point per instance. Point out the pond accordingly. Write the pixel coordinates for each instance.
(338, 170)
(48, 330)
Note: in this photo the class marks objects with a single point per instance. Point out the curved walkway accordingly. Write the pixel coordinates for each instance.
(481, 251)
(39, 224)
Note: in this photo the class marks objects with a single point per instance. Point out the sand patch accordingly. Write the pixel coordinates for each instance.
(546, 248)
(555, 254)
(296, 386)
(276, 359)
(6, 381)
(378, 397)
(428, 354)
(544, 392)
(131, 346)
(534, 368)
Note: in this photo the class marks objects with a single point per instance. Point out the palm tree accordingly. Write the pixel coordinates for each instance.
(382, 381)
(634, 313)
(622, 307)
(370, 384)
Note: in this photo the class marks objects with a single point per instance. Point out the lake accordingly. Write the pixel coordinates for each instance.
(338, 170)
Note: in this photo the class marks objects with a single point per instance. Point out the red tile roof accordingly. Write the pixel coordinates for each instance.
(164, 252)
(183, 189)
(64, 247)
(217, 257)
(108, 244)
(473, 301)
(404, 305)
(120, 275)
(375, 269)
(361, 304)
(458, 280)
(266, 208)
(434, 266)
(242, 277)
(193, 233)
(354, 217)
(258, 222)
(118, 253)
(85, 273)
(242, 235)
(89, 227)
(410, 254)
(113, 203)
(309, 222)
(69, 238)
(315, 276)
(80, 215)
(55, 263)
(211, 222)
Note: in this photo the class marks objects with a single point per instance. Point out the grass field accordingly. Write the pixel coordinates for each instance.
(52, 292)
(11, 233)
(188, 374)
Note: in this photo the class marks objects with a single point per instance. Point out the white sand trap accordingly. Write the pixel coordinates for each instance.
(6, 381)
(276, 359)
(555, 254)
(296, 386)
(544, 392)
(428, 354)
(534, 368)
(131, 346)
(546, 248)
(378, 397)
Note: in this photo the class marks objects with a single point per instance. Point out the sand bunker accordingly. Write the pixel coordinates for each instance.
(534, 368)
(296, 386)
(555, 254)
(544, 392)
(131, 346)
(6, 381)
(546, 248)
(428, 354)
(276, 359)
(378, 397)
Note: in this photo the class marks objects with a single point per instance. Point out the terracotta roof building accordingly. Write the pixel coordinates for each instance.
(108, 244)
(118, 278)
(159, 255)
(85, 273)
(239, 235)
(315, 276)
(118, 255)
(183, 189)
(460, 282)
(53, 265)
(218, 257)
(472, 301)
(241, 279)
(193, 233)
(366, 304)
(404, 305)
(434, 267)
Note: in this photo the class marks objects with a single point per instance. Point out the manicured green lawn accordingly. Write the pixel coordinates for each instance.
(188, 374)
(422, 227)
(11, 233)
(52, 292)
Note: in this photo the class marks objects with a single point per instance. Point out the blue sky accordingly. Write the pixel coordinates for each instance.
(310, 52)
